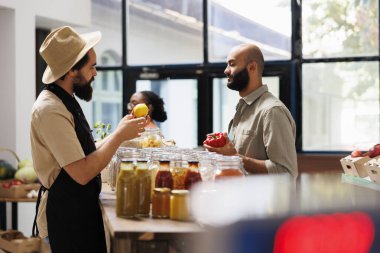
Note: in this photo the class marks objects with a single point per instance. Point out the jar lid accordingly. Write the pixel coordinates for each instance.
(162, 190)
(180, 192)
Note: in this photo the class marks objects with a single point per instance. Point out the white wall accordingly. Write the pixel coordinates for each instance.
(18, 21)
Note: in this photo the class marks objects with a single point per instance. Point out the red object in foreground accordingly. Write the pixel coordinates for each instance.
(374, 151)
(356, 153)
(336, 233)
(215, 140)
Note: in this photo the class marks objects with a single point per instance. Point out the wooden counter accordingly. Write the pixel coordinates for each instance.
(242, 223)
(129, 235)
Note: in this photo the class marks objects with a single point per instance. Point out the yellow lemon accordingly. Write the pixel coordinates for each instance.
(140, 110)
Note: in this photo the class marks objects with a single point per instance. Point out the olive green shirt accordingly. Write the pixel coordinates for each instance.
(264, 129)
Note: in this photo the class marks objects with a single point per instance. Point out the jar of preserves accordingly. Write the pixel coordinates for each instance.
(192, 175)
(143, 182)
(161, 203)
(151, 138)
(126, 189)
(229, 166)
(179, 209)
(127, 155)
(178, 168)
(164, 177)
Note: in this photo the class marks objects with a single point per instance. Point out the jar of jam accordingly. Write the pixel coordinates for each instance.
(126, 189)
(179, 208)
(161, 203)
(164, 177)
(178, 168)
(192, 175)
(229, 166)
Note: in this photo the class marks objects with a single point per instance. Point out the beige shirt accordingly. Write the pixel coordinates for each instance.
(54, 145)
(264, 129)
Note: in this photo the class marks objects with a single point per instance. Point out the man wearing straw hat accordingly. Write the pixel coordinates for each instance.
(65, 156)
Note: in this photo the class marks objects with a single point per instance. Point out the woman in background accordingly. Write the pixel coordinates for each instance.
(155, 104)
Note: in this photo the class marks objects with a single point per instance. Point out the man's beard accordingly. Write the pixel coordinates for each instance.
(239, 80)
(84, 91)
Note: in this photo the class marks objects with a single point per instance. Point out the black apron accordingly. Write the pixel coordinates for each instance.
(74, 218)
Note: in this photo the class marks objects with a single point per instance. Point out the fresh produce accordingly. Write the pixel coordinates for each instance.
(140, 110)
(374, 151)
(215, 140)
(26, 172)
(7, 171)
(356, 153)
(9, 184)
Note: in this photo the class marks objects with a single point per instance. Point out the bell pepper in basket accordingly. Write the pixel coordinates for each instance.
(215, 140)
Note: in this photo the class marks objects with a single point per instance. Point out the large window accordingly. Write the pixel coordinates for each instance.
(340, 77)
(234, 22)
(324, 55)
(180, 98)
(164, 32)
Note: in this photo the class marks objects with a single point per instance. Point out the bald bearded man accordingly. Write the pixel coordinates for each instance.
(262, 131)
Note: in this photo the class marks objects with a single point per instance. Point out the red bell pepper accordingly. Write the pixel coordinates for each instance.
(215, 140)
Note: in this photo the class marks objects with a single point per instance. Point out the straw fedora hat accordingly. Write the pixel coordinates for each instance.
(63, 48)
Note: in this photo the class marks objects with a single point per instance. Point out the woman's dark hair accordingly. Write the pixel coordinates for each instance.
(158, 112)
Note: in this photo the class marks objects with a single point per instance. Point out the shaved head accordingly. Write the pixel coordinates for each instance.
(251, 53)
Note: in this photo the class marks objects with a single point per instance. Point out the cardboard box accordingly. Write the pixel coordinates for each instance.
(17, 191)
(373, 170)
(14, 241)
(354, 166)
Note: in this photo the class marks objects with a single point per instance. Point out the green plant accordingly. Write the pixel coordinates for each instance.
(102, 129)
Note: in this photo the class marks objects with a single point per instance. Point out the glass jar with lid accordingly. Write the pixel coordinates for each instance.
(161, 203)
(164, 177)
(178, 168)
(143, 184)
(128, 155)
(192, 175)
(151, 138)
(228, 166)
(179, 205)
(126, 191)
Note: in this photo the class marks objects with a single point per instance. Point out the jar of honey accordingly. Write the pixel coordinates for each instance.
(179, 209)
(161, 203)
(229, 166)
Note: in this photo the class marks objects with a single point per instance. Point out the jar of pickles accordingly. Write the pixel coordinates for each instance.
(178, 168)
(161, 203)
(151, 138)
(179, 208)
(229, 166)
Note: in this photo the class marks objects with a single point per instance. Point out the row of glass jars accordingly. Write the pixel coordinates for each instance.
(139, 171)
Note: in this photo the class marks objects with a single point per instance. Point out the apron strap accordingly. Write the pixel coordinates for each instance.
(41, 191)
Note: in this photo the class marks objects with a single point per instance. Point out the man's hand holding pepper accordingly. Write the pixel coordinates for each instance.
(219, 143)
